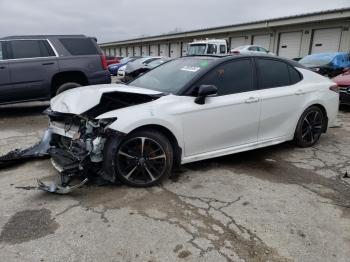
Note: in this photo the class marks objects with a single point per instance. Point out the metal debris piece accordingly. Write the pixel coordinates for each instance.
(39, 150)
(57, 189)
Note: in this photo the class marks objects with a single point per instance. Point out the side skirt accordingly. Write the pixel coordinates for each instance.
(233, 150)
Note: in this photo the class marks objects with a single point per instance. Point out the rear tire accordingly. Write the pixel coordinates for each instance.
(143, 158)
(310, 127)
(66, 86)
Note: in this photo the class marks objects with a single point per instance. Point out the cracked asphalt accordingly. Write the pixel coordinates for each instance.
(280, 203)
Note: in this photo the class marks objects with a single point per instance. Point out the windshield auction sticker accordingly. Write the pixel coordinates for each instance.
(190, 68)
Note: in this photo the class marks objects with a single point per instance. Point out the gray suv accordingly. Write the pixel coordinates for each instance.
(34, 68)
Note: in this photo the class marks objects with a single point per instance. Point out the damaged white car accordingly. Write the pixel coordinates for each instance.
(188, 109)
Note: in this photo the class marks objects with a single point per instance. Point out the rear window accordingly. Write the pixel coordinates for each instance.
(295, 76)
(79, 46)
(30, 49)
(273, 73)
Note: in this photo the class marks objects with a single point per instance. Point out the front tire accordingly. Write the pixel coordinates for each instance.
(310, 127)
(143, 159)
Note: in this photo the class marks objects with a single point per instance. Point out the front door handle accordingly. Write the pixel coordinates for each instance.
(252, 100)
(2, 67)
(300, 92)
(50, 63)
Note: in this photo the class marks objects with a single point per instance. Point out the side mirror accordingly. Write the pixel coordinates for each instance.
(203, 92)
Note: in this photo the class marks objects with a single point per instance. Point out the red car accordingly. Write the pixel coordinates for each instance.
(112, 60)
(343, 82)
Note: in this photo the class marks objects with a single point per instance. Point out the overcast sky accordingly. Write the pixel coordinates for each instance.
(111, 20)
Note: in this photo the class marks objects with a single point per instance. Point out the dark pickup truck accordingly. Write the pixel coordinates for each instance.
(36, 68)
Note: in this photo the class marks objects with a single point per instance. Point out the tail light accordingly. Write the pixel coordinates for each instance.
(235, 52)
(104, 62)
(334, 88)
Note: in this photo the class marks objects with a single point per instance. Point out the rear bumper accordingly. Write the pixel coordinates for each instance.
(101, 77)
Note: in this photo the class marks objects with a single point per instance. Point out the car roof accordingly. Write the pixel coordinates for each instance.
(234, 57)
(41, 36)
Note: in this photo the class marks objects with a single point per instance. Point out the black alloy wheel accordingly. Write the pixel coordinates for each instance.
(144, 159)
(310, 127)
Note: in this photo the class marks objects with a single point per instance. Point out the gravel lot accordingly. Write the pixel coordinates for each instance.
(276, 204)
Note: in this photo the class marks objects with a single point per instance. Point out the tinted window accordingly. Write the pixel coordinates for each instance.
(211, 49)
(230, 78)
(253, 48)
(79, 46)
(272, 73)
(30, 49)
(222, 49)
(1, 52)
(262, 49)
(294, 75)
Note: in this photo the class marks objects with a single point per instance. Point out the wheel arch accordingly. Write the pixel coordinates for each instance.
(168, 134)
(325, 115)
(322, 108)
(65, 77)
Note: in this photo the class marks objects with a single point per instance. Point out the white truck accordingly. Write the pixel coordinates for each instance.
(208, 47)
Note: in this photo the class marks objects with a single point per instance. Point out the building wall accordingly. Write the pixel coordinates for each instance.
(306, 28)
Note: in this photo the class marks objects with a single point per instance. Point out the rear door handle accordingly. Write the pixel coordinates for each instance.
(300, 92)
(252, 100)
(2, 67)
(51, 63)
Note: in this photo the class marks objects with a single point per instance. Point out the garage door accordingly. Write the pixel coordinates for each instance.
(184, 48)
(174, 50)
(163, 50)
(123, 51)
(237, 41)
(326, 40)
(117, 51)
(130, 51)
(137, 50)
(290, 44)
(154, 50)
(262, 40)
(145, 50)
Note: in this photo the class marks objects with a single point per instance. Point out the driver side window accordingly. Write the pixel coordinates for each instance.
(231, 77)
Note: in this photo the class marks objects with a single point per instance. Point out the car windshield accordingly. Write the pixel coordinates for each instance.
(172, 76)
(196, 49)
(318, 59)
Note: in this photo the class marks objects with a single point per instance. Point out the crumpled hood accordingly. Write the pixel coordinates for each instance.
(79, 100)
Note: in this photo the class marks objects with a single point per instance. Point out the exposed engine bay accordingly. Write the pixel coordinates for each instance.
(76, 143)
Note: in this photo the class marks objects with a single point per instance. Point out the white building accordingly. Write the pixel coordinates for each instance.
(291, 37)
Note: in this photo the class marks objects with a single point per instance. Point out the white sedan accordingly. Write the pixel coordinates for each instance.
(250, 49)
(188, 109)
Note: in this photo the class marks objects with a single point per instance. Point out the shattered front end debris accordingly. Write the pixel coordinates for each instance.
(39, 150)
(76, 150)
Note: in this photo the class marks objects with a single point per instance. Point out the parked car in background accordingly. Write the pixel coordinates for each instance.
(136, 68)
(189, 109)
(134, 65)
(327, 64)
(250, 49)
(343, 82)
(207, 47)
(36, 68)
(112, 60)
(113, 69)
